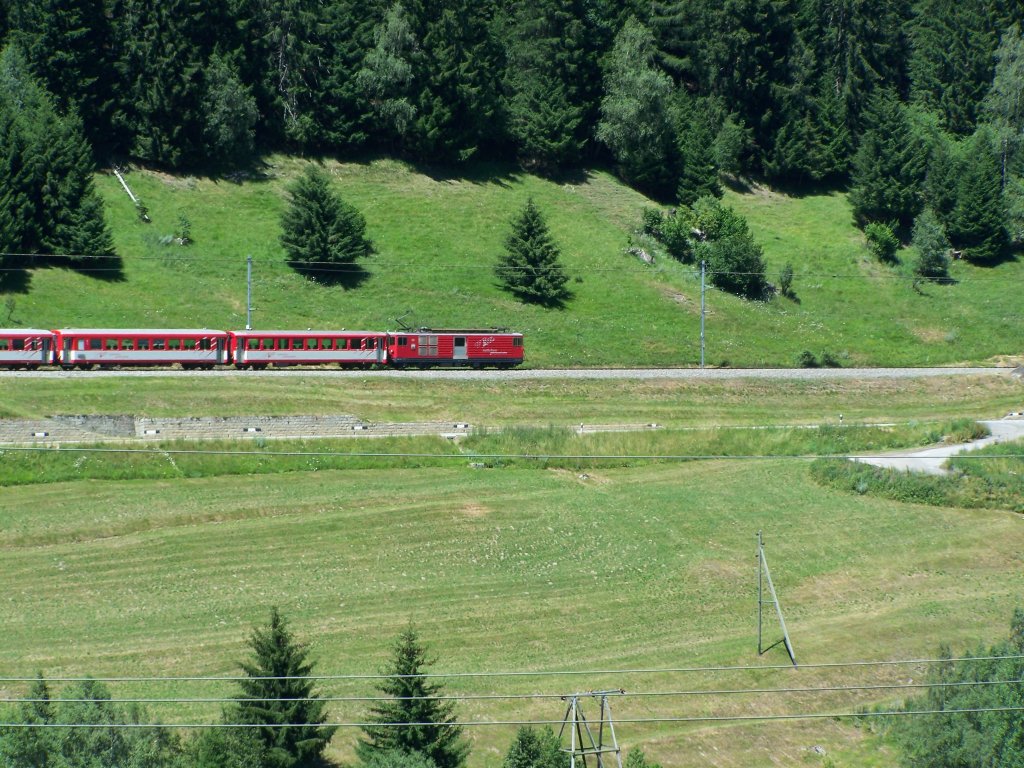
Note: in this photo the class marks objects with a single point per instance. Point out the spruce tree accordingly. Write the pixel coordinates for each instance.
(951, 61)
(698, 123)
(48, 203)
(31, 747)
(977, 225)
(68, 44)
(535, 749)
(320, 230)
(889, 167)
(546, 80)
(414, 700)
(230, 115)
(530, 267)
(278, 691)
(932, 247)
(458, 105)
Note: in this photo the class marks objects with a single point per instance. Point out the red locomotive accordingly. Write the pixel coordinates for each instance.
(205, 348)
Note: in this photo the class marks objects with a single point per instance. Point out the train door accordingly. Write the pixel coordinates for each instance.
(459, 348)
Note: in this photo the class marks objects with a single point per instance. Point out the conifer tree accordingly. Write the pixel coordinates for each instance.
(278, 691)
(413, 700)
(932, 247)
(529, 267)
(48, 203)
(977, 224)
(889, 167)
(547, 68)
(230, 115)
(698, 122)
(951, 63)
(319, 228)
(535, 749)
(35, 747)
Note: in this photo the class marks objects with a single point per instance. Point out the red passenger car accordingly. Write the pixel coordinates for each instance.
(452, 347)
(25, 347)
(258, 349)
(191, 348)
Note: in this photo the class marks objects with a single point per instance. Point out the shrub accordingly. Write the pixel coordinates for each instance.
(882, 241)
(786, 281)
(806, 359)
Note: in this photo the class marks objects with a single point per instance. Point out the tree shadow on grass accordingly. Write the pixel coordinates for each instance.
(16, 270)
(345, 276)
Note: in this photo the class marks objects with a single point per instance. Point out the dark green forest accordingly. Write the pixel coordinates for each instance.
(911, 104)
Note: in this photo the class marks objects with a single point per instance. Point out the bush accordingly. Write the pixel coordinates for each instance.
(786, 281)
(882, 241)
(806, 359)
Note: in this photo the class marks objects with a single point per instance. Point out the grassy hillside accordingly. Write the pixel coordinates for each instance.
(437, 238)
(648, 566)
(525, 569)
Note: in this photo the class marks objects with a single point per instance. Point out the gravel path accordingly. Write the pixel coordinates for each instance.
(930, 460)
(637, 374)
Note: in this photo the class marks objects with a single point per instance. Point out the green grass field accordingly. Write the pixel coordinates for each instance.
(437, 238)
(520, 567)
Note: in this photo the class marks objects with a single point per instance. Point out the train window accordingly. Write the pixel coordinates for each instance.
(189, 343)
(252, 343)
(127, 343)
(403, 341)
(4, 344)
(517, 342)
(95, 343)
(111, 344)
(18, 344)
(143, 344)
(371, 343)
(204, 343)
(174, 343)
(312, 344)
(81, 345)
(159, 344)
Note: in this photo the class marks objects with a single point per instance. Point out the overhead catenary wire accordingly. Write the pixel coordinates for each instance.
(500, 457)
(471, 265)
(520, 696)
(522, 673)
(491, 723)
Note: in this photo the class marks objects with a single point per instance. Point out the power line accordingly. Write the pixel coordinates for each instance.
(521, 696)
(519, 673)
(485, 723)
(496, 456)
(332, 267)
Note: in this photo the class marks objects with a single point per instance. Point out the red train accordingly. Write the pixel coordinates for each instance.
(205, 348)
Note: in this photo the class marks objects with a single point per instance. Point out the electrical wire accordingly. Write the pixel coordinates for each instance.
(485, 723)
(332, 267)
(524, 673)
(493, 456)
(521, 696)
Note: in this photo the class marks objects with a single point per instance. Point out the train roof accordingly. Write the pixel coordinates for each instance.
(143, 331)
(24, 332)
(308, 332)
(467, 331)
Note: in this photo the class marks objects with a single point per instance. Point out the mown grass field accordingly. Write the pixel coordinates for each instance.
(518, 567)
(437, 237)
